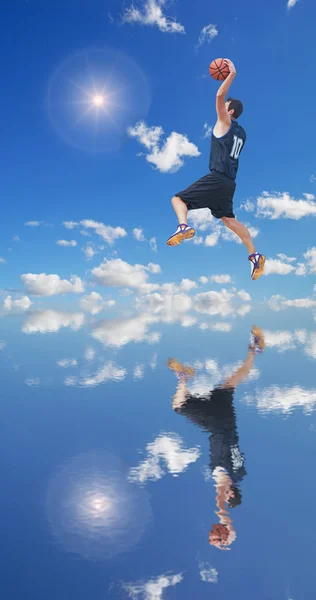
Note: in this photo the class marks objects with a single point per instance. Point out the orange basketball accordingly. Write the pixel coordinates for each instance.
(218, 69)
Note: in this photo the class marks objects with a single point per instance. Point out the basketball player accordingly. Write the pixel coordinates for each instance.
(216, 190)
(215, 413)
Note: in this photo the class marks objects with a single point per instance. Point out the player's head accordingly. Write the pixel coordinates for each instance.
(234, 107)
(220, 537)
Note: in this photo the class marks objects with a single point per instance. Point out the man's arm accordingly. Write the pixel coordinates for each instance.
(222, 113)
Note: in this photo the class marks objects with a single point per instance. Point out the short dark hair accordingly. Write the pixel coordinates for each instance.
(236, 105)
(237, 499)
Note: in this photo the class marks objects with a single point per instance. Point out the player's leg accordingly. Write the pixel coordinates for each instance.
(194, 197)
(242, 232)
(257, 260)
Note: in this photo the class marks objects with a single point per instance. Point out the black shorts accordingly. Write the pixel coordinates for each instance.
(214, 191)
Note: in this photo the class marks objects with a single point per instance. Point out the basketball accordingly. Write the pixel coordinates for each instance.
(218, 69)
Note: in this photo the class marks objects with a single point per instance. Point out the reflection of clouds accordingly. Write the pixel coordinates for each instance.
(208, 573)
(219, 303)
(169, 307)
(282, 399)
(168, 449)
(19, 304)
(138, 372)
(153, 361)
(47, 321)
(290, 340)
(33, 381)
(119, 332)
(152, 589)
(93, 510)
(65, 363)
(108, 372)
(209, 374)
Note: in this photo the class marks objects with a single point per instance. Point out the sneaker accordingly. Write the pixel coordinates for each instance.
(180, 369)
(257, 264)
(257, 344)
(184, 232)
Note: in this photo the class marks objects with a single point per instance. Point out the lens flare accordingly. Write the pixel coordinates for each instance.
(94, 96)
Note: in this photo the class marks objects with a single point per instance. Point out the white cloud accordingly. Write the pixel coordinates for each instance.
(167, 158)
(93, 303)
(197, 240)
(110, 371)
(208, 573)
(154, 268)
(244, 296)
(109, 234)
(274, 266)
(283, 399)
(2, 260)
(152, 589)
(207, 131)
(291, 3)
(301, 269)
(33, 223)
(203, 280)
(208, 33)
(212, 238)
(65, 243)
(49, 321)
(187, 284)
(248, 206)
(152, 14)
(19, 304)
(286, 258)
(166, 450)
(16, 238)
(139, 234)
(89, 252)
(153, 244)
(65, 363)
(118, 273)
(221, 278)
(89, 353)
(51, 285)
(310, 257)
(70, 224)
(202, 219)
(2, 345)
(281, 205)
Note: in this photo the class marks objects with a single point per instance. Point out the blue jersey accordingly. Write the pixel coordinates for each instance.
(225, 151)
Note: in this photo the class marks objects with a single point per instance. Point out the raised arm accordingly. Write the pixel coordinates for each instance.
(222, 114)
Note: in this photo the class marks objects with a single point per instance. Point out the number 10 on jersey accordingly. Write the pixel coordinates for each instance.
(237, 146)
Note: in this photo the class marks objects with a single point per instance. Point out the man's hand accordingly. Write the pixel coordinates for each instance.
(231, 66)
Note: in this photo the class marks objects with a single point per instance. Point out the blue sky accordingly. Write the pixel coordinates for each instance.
(116, 203)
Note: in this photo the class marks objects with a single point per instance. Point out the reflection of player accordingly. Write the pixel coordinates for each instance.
(215, 413)
(216, 189)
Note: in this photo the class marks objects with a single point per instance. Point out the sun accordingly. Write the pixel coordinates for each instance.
(98, 100)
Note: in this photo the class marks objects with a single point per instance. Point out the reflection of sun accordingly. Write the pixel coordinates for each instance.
(99, 505)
